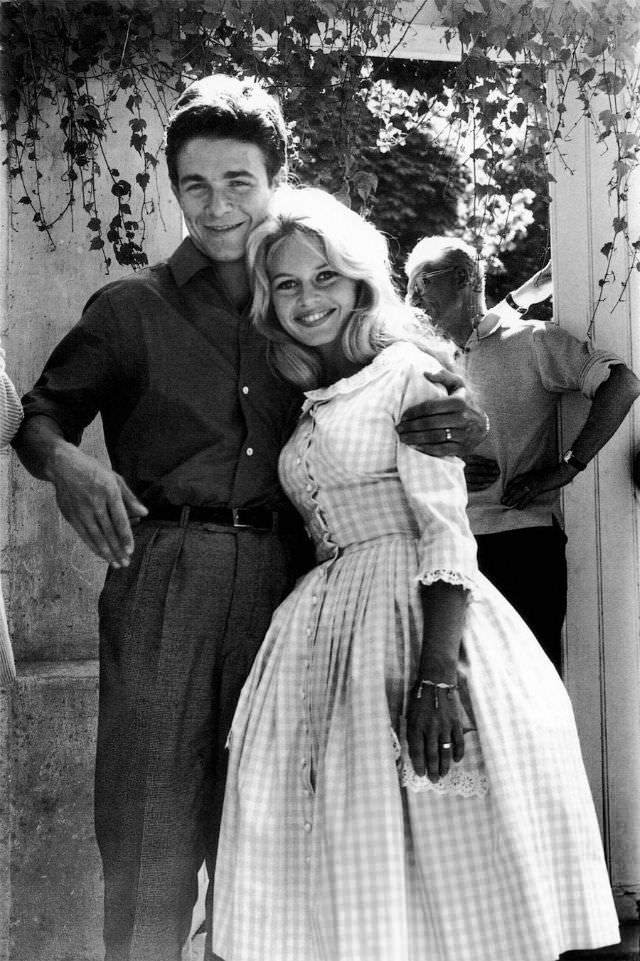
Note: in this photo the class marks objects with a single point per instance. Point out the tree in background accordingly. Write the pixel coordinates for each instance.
(482, 127)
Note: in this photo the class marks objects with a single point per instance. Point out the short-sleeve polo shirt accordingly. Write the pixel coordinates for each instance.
(520, 370)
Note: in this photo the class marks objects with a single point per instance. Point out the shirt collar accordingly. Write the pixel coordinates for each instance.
(487, 326)
(186, 261)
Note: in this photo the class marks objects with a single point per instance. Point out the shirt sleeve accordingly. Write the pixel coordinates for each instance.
(436, 490)
(10, 406)
(80, 372)
(566, 363)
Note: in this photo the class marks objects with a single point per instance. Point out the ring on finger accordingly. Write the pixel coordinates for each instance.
(446, 746)
(447, 434)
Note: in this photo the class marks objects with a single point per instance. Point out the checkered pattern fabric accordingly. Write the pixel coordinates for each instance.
(324, 856)
(10, 420)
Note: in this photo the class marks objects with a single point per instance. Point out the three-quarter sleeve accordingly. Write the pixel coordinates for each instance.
(436, 491)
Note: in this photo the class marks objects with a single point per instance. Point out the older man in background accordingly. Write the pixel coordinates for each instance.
(520, 370)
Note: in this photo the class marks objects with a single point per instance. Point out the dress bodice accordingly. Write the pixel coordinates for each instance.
(353, 481)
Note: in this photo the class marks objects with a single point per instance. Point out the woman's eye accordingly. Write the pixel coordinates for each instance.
(284, 285)
(325, 276)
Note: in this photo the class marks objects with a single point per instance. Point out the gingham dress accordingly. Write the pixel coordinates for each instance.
(10, 419)
(331, 848)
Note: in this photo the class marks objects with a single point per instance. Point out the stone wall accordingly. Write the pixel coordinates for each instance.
(50, 877)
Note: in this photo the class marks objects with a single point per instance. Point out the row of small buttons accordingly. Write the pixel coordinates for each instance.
(249, 451)
(304, 440)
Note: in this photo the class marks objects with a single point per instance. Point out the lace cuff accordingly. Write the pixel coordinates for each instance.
(450, 577)
(458, 781)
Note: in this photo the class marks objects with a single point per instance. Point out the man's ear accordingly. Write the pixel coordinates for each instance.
(462, 278)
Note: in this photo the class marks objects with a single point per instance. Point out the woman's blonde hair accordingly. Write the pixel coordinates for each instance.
(354, 248)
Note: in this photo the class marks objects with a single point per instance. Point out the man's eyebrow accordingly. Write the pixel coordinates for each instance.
(186, 178)
(232, 174)
(227, 175)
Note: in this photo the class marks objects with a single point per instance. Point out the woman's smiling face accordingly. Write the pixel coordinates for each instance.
(313, 302)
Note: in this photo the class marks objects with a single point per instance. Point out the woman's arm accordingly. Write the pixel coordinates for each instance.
(434, 717)
(447, 571)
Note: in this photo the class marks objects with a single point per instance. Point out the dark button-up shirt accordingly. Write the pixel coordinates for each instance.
(191, 412)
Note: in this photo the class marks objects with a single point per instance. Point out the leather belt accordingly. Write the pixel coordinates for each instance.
(251, 518)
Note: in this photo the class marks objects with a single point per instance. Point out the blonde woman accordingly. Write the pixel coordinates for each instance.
(10, 420)
(405, 780)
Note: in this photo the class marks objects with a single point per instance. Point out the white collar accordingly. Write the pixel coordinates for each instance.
(488, 325)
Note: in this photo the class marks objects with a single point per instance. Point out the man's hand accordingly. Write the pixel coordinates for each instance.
(97, 503)
(451, 426)
(524, 488)
(480, 472)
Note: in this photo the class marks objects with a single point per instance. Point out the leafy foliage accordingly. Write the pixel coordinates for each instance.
(354, 127)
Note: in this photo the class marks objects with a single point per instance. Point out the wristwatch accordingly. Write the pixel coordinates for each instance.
(521, 310)
(570, 459)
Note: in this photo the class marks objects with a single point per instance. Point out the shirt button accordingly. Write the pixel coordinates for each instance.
(307, 826)
(245, 389)
(314, 599)
(249, 451)
(309, 487)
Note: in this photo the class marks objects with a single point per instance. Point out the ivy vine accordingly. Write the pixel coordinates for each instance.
(492, 111)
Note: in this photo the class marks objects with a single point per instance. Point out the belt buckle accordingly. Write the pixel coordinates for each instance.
(235, 513)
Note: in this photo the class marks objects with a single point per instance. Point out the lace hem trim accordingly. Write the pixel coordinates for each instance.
(451, 577)
(457, 781)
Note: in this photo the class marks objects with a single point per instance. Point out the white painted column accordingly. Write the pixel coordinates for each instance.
(601, 507)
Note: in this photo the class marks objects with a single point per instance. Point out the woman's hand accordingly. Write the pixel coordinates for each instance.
(434, 734)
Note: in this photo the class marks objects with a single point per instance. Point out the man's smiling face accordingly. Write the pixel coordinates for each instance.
(223, 190)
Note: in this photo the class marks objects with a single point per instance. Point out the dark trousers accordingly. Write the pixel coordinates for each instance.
(529, 567)
(179, 630)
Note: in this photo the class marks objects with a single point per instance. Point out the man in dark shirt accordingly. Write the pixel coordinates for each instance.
(194, 421)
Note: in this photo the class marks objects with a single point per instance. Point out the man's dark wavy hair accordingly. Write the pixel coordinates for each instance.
(222, 106)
